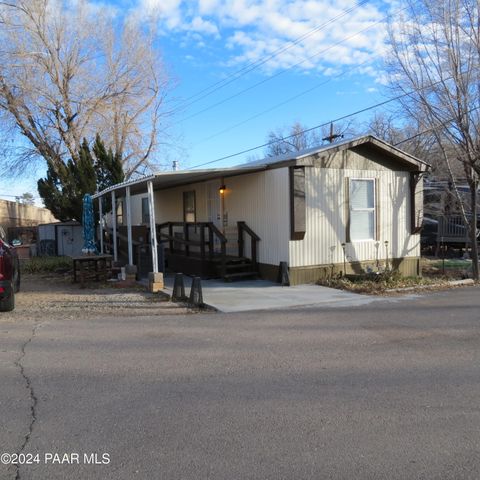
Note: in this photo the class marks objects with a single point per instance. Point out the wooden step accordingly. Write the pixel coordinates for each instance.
(238, 266)
(231, 277)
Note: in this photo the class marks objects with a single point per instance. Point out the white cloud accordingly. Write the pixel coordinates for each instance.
(256, 29)
(198, 24)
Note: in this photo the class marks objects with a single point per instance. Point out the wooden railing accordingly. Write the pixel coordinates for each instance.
(206, 235)
(202, 245)
(254, 239)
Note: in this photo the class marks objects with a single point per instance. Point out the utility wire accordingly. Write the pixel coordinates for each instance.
(432, 129)
(281, 72)
(278, 105)
(256, 64)
(344, 117)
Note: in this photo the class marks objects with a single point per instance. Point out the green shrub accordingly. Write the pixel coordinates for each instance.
(46, 264)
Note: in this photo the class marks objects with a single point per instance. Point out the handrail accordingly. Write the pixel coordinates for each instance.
(247, 229)
(217, 232)
(243, 227)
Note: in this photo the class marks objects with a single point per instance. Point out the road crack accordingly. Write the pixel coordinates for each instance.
(33, 398)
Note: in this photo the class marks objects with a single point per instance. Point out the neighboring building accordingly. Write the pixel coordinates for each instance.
(353, 205)
(13, 214)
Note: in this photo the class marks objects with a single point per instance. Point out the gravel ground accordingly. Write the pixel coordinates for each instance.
(49, 294)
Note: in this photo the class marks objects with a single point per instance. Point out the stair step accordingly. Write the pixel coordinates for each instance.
(229, 277)
(238, 266)
(232, 260)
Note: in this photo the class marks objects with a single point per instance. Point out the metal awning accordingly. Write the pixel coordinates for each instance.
(164, 180)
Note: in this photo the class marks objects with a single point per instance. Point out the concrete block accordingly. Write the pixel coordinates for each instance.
(155, 277)
(155, 287)
(131, 269)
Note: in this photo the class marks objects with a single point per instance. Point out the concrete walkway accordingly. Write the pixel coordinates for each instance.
(243, 296)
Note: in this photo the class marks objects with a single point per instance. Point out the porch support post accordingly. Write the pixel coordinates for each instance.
(153, 227)
(114, 226)
(100, 213)
(129, 227)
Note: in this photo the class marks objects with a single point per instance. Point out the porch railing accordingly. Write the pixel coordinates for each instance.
(243, 228)
(196, 238)
(205, 241)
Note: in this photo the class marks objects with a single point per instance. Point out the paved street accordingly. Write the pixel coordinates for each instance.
(388, 390)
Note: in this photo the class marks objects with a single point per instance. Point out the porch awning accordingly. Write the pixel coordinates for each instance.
(163, 180)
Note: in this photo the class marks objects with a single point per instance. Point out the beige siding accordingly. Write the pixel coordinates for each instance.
(169, 203)
(326, 217)
(262, 200)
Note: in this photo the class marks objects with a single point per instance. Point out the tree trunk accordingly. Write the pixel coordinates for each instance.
(473, 229)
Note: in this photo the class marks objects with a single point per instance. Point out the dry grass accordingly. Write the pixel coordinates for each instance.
(46, 264)
(375, 284)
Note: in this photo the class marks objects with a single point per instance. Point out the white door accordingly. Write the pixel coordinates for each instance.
(214, 209)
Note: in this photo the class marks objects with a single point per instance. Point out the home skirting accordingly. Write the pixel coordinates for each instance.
(408, 266)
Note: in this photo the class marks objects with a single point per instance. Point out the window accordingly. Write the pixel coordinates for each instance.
(189, 206)
(145, 210)
(416, 202)
(297, 203)
(120, 212)
(362, 209)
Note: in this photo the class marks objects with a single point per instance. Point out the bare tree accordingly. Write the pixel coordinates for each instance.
(70, 70)
(284, 140)
(299, 137)
(435, 61)
(414, 137)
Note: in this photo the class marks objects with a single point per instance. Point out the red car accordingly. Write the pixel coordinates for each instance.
(9, 274)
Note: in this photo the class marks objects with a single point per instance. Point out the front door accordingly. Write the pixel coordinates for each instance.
(214, 209)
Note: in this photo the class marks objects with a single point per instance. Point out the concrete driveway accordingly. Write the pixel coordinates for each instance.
(388, 390)
(250, 295)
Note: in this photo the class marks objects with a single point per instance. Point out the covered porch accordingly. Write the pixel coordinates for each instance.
(141, 225)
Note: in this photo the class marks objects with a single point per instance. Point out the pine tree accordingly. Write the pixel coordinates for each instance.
(63, 188)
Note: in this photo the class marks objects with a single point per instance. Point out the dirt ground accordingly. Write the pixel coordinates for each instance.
(44, 294)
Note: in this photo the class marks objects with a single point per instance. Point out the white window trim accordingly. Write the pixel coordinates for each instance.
(374, 210)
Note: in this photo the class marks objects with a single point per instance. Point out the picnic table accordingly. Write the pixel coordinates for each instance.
(91, 267)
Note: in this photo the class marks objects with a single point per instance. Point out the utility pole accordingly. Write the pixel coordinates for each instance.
(333, 136)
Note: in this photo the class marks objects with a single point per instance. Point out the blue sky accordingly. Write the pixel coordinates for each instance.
(320, 59)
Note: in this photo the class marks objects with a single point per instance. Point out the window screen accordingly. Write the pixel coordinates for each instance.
(189, 206)
(120, 212)
(297, 203)
(145, 211)
(362, 209)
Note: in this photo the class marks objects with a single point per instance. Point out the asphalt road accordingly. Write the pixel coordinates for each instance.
(382, 391)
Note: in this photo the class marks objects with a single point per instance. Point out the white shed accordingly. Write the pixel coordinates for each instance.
(349, 206)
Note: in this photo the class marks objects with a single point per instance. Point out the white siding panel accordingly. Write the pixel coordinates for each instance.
(326, 217)
(262, 201)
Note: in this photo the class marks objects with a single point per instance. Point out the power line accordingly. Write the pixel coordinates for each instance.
(278, 105)
(358, 112)
(344, 117)
(254, 65)
(432, 129)
(281, 72)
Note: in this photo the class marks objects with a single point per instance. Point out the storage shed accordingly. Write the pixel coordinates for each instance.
(60, 238)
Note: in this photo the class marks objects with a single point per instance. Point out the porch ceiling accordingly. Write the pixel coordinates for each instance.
(164, 180)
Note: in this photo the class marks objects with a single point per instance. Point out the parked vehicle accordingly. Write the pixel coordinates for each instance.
(9, 274)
